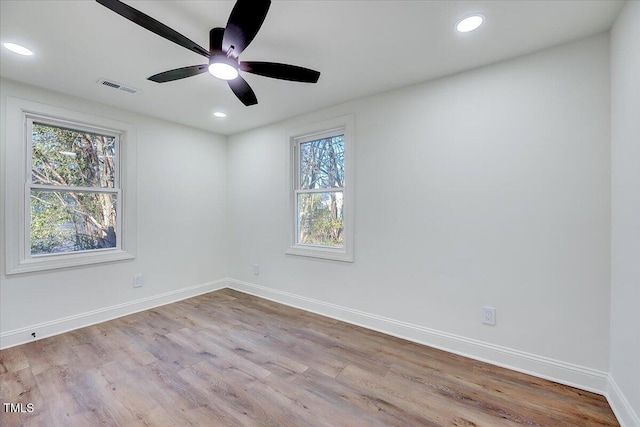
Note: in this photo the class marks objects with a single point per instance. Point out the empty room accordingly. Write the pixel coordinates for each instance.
(320, 213)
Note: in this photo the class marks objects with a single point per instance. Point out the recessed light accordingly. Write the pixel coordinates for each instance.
(220, 114)
(469, 23)
(16, 48)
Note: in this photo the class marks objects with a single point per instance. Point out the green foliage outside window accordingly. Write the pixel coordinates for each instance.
(82, 217)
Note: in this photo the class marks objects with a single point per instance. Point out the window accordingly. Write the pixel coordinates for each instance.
(321, 197)
(73, 185)
(70, 195)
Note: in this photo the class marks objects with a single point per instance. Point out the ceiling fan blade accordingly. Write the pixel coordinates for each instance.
(179, 73)
(281, 71)
(243, 91)
(244, 22)
(152, 25)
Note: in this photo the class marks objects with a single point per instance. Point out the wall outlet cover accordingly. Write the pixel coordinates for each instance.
(489, 315)
(138, 281)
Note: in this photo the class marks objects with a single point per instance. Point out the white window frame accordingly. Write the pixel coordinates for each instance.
(20, 115)
(337, 126)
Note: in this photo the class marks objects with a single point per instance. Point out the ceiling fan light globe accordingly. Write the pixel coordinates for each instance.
(223, 71)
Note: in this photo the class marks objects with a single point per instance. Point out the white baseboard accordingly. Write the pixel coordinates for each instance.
(66, 324)
(539, 366)
(627, 417)
(555, 370)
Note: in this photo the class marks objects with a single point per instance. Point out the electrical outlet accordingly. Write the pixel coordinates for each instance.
(489, 316)
(256, 269)
(138, 281)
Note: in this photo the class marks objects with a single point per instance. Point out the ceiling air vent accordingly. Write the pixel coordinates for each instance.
(118, 86)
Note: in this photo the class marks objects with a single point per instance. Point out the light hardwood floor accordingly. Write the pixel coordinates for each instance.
(231, 359)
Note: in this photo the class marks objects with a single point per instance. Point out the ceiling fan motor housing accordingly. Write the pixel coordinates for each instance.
(215, 40)
(221, 58)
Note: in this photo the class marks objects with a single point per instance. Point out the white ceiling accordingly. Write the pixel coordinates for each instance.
(360, 47)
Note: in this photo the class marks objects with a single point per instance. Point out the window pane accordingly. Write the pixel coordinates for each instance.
(322, 163)
(64, 221)
(72, 158)
(320, 220)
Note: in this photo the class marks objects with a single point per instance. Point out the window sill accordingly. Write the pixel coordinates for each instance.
(320, 252)
(67, 260)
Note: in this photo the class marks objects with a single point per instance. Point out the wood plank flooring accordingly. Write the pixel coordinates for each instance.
(231, 359)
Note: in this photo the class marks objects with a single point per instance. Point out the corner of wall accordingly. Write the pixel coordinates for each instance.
(621, 407)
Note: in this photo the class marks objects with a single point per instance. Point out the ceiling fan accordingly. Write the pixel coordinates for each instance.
(225, 46)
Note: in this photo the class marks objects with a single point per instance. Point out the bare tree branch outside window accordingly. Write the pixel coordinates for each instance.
(72, 202)
(320, 213)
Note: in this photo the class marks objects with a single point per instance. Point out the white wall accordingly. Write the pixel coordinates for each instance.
(625, 225)
(490, 187)
(180, 233)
